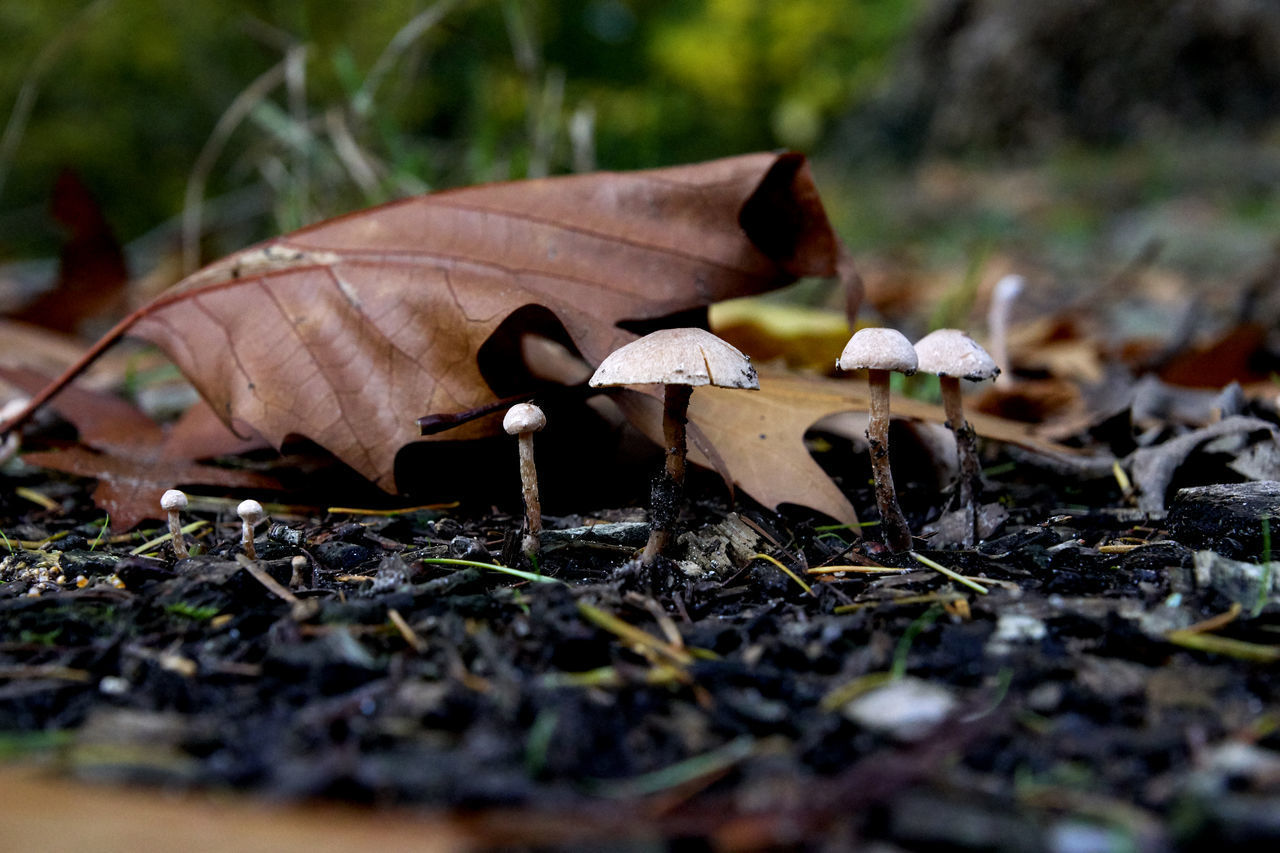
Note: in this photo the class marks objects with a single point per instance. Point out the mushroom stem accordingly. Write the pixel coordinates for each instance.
(246, 540)
(175, 534)
(967, 450)
(893, 524)
(529, 484)
(665, 501)
(675, 420)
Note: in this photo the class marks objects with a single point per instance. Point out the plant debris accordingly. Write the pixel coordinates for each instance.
(1079, 675)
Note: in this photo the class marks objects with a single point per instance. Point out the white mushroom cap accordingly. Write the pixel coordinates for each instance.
(523, 417)
(677, 357)
(950, 352)
(878, 349)
(173, 499)
(12, 407)
(250, 511)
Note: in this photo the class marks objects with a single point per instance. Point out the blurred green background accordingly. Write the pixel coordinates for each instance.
(368, 101)
(953, 140)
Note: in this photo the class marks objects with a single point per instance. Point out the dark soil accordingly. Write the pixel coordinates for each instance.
(1061, 710)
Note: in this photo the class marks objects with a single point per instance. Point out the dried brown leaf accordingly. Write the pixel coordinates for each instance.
(133, 458)
(347, 331)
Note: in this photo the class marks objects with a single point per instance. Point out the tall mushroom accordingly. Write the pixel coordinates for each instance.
(879, 352)
(677, 359)
(953, 355)
(523, 420)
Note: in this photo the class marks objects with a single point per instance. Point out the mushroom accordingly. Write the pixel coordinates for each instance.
(13, 440)
(880, 351)
(173, 502)
(523, 420)
(250, 513)
(953, 355)
(1006, 292)
(297, 566)
(677, 359)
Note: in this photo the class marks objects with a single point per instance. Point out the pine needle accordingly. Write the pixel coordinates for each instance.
(954, 575)
(787, 572)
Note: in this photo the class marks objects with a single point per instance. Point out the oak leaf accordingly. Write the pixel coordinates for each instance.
(347, 331)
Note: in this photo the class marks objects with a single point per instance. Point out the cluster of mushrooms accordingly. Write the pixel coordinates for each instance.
(952, 355)
(679, 359)
(174, 501)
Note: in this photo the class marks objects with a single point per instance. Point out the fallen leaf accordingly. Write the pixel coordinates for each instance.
(1238, 355)
(797, 336)
(91, 267)
(760, 434)
(130, 484)
(345, 332)
(50, 353)
(103, 420)
(132, 457)
(1152, 468)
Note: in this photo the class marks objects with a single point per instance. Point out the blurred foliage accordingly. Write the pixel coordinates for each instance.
(353, 105)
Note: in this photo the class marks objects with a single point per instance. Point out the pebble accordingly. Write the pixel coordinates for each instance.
(906, 709)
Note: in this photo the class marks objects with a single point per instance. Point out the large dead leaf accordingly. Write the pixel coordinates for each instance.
(347, 331)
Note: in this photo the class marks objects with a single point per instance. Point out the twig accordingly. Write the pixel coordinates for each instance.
(954, 575)
(411, 637)
(362, 100)
(160, 540)
(633, 635)
(787, 572)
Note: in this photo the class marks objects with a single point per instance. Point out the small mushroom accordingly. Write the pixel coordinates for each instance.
(1003, 296)
(250, 513)
(880, 352)
(173, 502)
(953, 355)
(677, 359)
(13, 440)
(523, 420)
(297, 566)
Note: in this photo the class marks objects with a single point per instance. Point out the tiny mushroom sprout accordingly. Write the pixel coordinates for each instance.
(13, 441)
(953, 355)
(677, 359)
(523, 420)
(173, 502)
(250, 513)
(879, 352)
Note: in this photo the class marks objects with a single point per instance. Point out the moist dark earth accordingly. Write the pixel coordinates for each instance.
(1079, 701)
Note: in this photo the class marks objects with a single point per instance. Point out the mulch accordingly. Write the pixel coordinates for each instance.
(1092, 682)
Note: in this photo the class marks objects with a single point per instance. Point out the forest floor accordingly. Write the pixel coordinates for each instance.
(1098, 673)
(1091, 679)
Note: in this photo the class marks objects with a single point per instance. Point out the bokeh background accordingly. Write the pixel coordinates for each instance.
(1082, 143)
